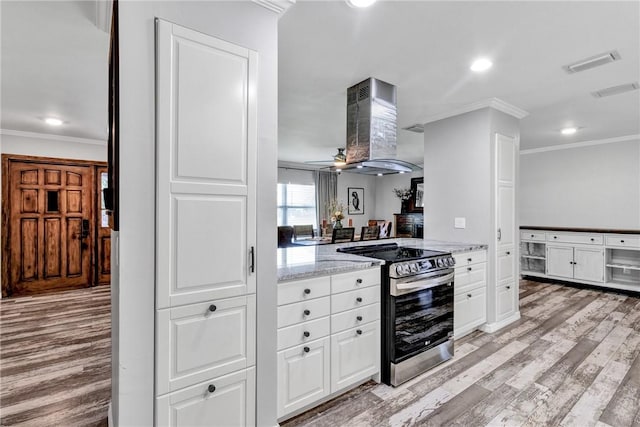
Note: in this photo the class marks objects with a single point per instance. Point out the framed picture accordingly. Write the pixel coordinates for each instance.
(355, 196)
(417, 195)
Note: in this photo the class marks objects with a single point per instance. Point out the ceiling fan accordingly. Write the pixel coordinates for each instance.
(339, 159)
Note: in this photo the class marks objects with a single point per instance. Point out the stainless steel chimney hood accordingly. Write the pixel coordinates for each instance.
(372, 130)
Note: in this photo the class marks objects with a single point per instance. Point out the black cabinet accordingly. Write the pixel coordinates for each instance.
(409, 225)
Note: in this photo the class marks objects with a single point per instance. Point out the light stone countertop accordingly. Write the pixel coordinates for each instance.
(302, 262)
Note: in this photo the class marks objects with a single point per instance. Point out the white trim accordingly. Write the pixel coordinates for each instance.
(277, 6)
(582, 144)
(23, 134)
(495, 103)
(495, 326)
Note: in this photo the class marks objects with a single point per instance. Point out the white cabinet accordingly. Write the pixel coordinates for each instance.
(560, 261)
(507, 301)
(219, 402)
(580, 263)
(206, 145)
(470, 292)
(303, 375)
(355, 355)
(328, 337)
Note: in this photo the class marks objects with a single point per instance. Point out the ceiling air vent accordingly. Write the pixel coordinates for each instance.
(417, 128)
(616, 90)
(594, 61)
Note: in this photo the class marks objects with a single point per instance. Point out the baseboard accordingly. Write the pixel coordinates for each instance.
(110, 416)
(492, 327)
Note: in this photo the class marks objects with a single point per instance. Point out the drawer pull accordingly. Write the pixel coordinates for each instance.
(359, 332)
(212, 308)
(508, 253)
(307, 291)
(306, 334)
(533, 235)
(555, 237)
(621, 241)
(306, 349)
(307, 312)
(469, 268)
(469, 260)
(469, 295)
(358, 281)
(211, 388)
(508, 287)
(359, 299)
(359, 318)
(593, 240)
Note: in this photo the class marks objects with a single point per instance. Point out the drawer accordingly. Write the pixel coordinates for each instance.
(353, 318)
(580, 238)
(194, 343)
(470, 279)
(623, 240)
(303, 332)
(355, 280)
(303, 311)
(537, 236)
(355, 299)
(301, 290)
(468, 258)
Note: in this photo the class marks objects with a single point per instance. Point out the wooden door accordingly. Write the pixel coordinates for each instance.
(49, 226)
(103, 231)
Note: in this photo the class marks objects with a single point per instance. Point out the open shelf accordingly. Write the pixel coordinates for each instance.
(533, 257)
(624, 266)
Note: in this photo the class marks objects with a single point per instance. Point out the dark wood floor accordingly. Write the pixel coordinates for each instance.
(572, 360)
(55, 359)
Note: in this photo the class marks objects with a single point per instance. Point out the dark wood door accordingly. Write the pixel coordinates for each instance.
(50, 226)
(103, 232)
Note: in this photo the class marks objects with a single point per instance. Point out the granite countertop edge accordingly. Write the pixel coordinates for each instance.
(323, 260)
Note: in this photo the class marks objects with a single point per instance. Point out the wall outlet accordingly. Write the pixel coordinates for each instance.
(460, 223)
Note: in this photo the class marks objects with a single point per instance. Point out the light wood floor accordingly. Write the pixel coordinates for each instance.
(55, 359)
(572, 360)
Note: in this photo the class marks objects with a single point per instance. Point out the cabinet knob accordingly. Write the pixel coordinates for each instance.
(621, 241)
(508, 287)
(508, 253)
(533, 235)
(307, 312)
(306, 349)
(593, 240)
(469, 260)
(359, 318)
(358, 281)
(359, 299)
(307, 291)
(211, 388)
(212, 308)
(469, 268)
(555, 237)
(469, 295)
(306, 334)
(359, 332)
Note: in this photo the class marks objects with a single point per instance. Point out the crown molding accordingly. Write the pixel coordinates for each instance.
(581, 144)
(277, 6)
(51, 137)
(495, 103)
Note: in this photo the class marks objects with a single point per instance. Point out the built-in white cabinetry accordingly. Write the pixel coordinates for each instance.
(328, 337)
(470, 292)
(205, 292)
(603, 259)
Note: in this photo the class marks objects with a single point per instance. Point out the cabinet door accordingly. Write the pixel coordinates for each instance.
(199, 341)
(355, 355)
(303, 375)
(506, 301)
(224, 401)
(589, 264)
(560, 261)
(206, 167)
(506, 266)
(469, 311)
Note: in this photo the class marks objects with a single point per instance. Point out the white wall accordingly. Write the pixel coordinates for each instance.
(243, 23)
(31, 144)
(591, 186)
(369, 183)
(387, 203)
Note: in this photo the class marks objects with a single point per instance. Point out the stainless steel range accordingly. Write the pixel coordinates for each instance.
(417, 309)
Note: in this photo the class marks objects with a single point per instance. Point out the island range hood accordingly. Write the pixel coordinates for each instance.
(372, 130)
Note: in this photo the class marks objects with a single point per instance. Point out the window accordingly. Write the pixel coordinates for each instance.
(297, 204)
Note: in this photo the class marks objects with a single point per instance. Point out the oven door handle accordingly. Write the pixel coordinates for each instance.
(418, 285)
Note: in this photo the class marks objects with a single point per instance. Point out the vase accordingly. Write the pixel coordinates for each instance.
(338, 224)
(404, 208)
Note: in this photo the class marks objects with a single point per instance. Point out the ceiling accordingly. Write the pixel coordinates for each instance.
(54, 63)
(425, 48)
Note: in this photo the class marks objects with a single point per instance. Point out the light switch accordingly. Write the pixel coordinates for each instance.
(460, 223)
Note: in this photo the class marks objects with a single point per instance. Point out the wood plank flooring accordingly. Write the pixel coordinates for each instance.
(571, 360)
(55, 359)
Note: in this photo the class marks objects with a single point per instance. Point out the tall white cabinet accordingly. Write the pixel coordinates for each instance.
(206, 230)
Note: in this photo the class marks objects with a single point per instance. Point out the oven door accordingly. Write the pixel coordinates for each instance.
(421, 313)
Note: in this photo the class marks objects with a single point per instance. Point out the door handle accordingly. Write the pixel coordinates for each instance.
(84, 232)
(252, 260)
(499, 234)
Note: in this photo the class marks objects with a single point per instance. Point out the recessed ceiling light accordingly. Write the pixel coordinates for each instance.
(360, 3)
(568, 131)
(401, 172)
(481, 64)
(379, 174)
(53, 121)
